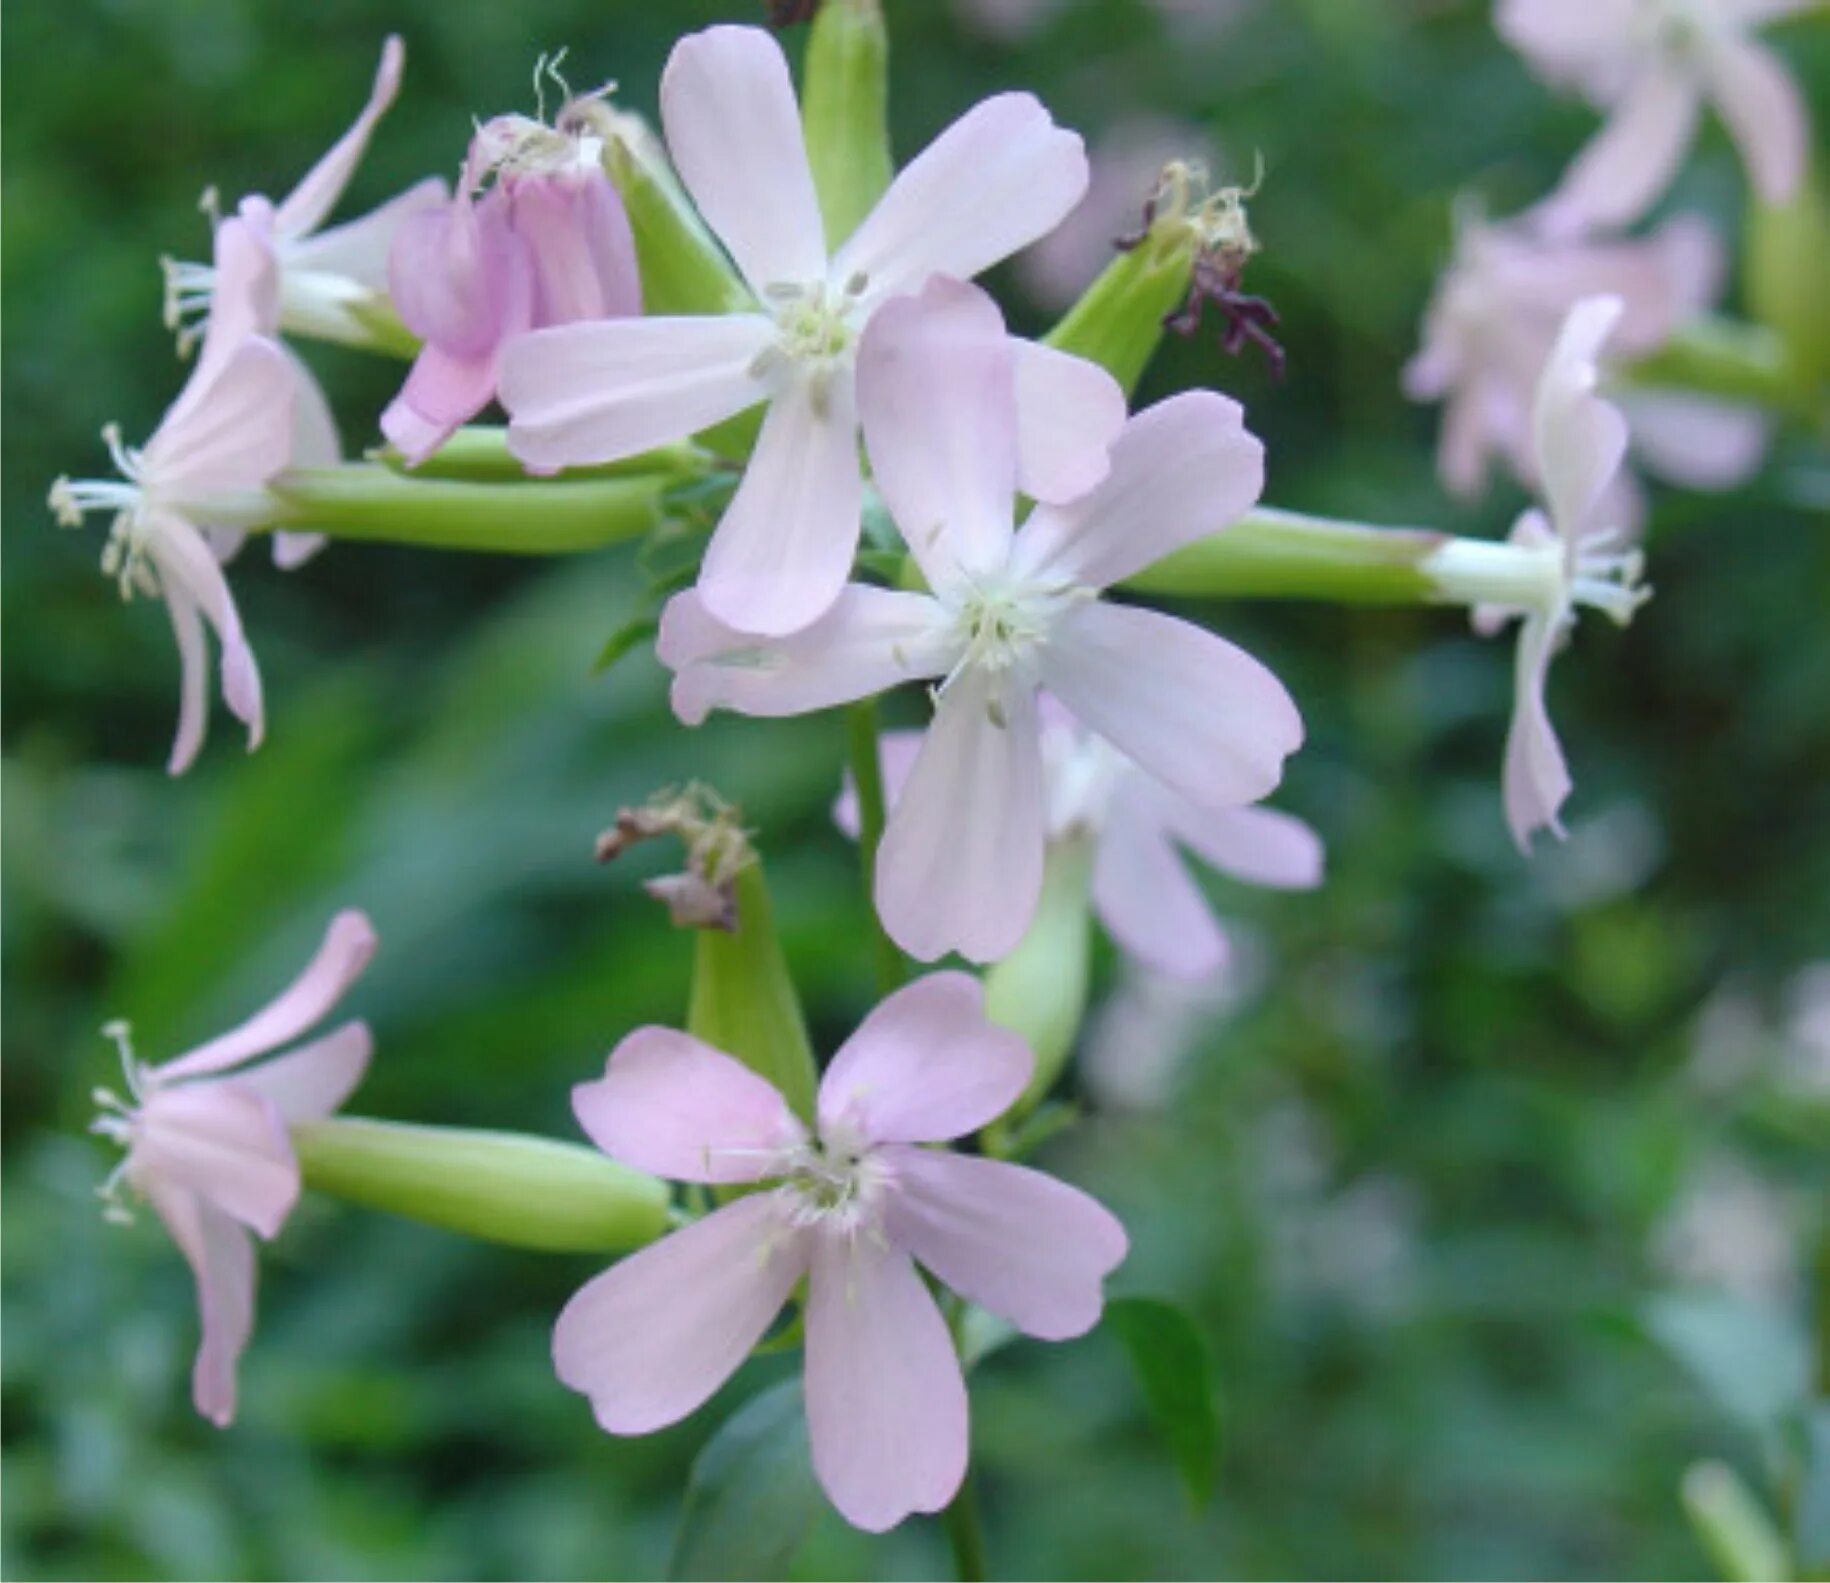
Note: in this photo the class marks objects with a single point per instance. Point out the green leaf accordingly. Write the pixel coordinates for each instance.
(1753, 1358)
(1173, 1369)
(751, 1496)
(638, 629)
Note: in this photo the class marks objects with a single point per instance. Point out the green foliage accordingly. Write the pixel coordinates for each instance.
(1176, 1378)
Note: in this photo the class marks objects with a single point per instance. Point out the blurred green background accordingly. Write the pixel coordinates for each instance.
(1498, 1190)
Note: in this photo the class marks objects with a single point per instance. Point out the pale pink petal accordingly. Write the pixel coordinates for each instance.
(1145, 896)
(315, 443)
(244, 293)
(1764, 112)
(960, 865)
(673, 1106)
(184, 559)
(347, 948)
(230, 429)
(1000, 176)
(1627, 165)
(586, 393)
(1757, 13)
(898, 751)
(1181, 470)
(781, 552)
(1535, 780)
(1570, 40)
(1069, 413)
(223, 1142)
(221, 1257)
(580, 245)
(734, 132)
(460, 278)
(193, 680)
(442, 393)
(1462, 444)
(306, 206)
(359, 249)
(886, 1402)
(1197, 712)
(1261, 846)
(1699, 442)
(923, 1067)
(1029, 1248)
(870, 640)
(937, 395)
(1577, 437)
(652, 1337)
(313, 1081)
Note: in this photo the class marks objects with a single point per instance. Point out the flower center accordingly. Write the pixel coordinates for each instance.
(836, 1184)
(1605, 577)
(816, 329)
(124, 557)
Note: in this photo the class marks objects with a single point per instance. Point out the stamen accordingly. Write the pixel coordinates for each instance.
(189, 291)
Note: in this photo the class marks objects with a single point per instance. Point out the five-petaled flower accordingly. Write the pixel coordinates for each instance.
(998, 178)
(202, 474)
(327, 283)
(1010, 612)
(1579, 440)
(536, 236)
(1653, 64)
(1141, 889)
(208, 1148)
(852, 1206)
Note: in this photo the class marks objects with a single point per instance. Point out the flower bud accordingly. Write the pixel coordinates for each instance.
(845, 113)
(506, 1187)
(1786, 247)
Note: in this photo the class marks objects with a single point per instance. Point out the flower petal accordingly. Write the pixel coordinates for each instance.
(1764, 112)
(886, 1402)
(184, 559)
(734, 132)
(1070, 412)
(460, 278)
(1262, 846)
(924, 1066)
(1578, 438)
(1197, 712)
(1146, 898)
(443, 392)
(223, 1142)
(655, 1335)
(782, 550)
(673, 1106)
(1181, 470)
(1029, 1248)
(244, 294)
(359, 249)
(193, 680)
(1535, 780)
(308, 203)
(897, 751)
(581, 248)
(1000, 176)
(1624, 168)
(313, 1081)
(586, 393)
(871, 639)
(221, 1256)
(348, 945)
(1699, 442)
(937, 395)
(960, 864)
(230, 428)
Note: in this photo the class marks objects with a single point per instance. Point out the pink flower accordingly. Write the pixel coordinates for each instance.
(547, 244)
(1578, 441)
(999, 177)
(201, 474)
(851, 1207)
(1653, 64)
(324, 283)
(1496, 313)
(1011, 612)
(207, 1144)
(1142, 891)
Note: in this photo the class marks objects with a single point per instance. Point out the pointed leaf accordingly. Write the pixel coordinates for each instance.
(1172, 1366)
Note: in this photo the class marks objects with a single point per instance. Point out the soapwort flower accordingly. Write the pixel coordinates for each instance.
(1653, 64)
(535, 236)
(201, 474)
(1142, 891)
(852, 1205)
(998, 178)
(207, 1143)
(1010, 611)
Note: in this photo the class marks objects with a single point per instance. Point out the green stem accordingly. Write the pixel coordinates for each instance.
(478, 453)
(375, 503)
(867, 780)
(1730, 359)
(964, 1535)
(1272, 554)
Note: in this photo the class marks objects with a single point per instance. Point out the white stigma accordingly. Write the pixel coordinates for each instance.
(816, 332)
(116, 1121)
(1607, 578)
(836, 1184)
